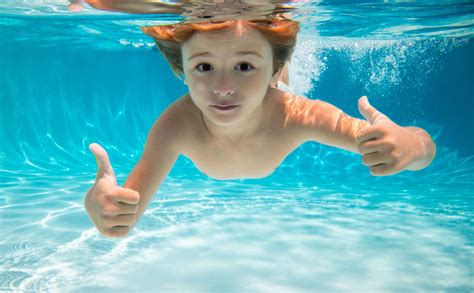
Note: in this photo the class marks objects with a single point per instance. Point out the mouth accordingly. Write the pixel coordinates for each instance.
(225, 108)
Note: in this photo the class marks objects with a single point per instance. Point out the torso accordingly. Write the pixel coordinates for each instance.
(255, 157)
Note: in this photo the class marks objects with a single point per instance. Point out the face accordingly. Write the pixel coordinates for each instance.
(228, 73)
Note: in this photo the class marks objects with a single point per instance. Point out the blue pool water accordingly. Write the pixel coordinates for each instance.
(321, 222)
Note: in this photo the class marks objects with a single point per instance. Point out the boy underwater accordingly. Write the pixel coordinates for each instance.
(234, 123)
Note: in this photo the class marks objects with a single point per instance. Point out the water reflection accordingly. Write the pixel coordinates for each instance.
(192, 10)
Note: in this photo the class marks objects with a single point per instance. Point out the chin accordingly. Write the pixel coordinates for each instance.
(222, 119)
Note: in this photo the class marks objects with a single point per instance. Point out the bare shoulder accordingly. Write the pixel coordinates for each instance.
(298, 108)
(162, 148)
(299, 111)
(171, 126)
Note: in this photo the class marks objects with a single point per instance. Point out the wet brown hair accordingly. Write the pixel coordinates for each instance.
(280, 32)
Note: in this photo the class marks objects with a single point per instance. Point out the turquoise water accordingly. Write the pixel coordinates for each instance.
(321, 222)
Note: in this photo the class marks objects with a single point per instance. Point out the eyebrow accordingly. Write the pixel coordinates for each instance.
(241, 53)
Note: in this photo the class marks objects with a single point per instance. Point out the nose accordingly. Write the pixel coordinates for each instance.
(223, 86)
(224, 93)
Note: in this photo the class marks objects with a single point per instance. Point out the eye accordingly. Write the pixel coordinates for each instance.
(246, 67)
(204, 67)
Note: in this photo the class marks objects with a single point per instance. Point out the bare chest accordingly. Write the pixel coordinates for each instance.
(255, 157)
(247, 159)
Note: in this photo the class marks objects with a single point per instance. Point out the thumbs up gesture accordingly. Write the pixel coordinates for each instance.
(112, 209)
(387, 148)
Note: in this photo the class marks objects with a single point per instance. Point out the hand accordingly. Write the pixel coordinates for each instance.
(112, 209)
(387, 148)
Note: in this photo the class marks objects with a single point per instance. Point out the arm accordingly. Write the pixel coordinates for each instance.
(115, 210)
(130, 6)
(159, 155)
(386, 147)
(322, 122)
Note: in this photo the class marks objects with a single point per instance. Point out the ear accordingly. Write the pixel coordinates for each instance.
(275, 78)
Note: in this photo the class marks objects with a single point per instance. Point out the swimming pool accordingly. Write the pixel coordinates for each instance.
(321, 222)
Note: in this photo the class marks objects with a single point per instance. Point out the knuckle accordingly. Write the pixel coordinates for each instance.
(128, 219)
(102, 183)
(383, 129)
(378, 128)
(136, 195)
(395, 155)
(391, 143)
(365, 160)
(107, 221)
(109, 196)
(377, 170)
(108, 210)
(132, 209)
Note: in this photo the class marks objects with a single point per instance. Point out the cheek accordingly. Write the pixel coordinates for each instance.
(260, 79)
(197, 85)
(199, 92)
(263, 78)
(256, 84)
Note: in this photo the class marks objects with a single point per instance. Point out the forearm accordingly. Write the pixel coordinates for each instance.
(146, 180)
(428, 149)
(146, 195)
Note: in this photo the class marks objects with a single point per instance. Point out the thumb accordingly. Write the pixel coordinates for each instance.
(104, 168)
(370, 113)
